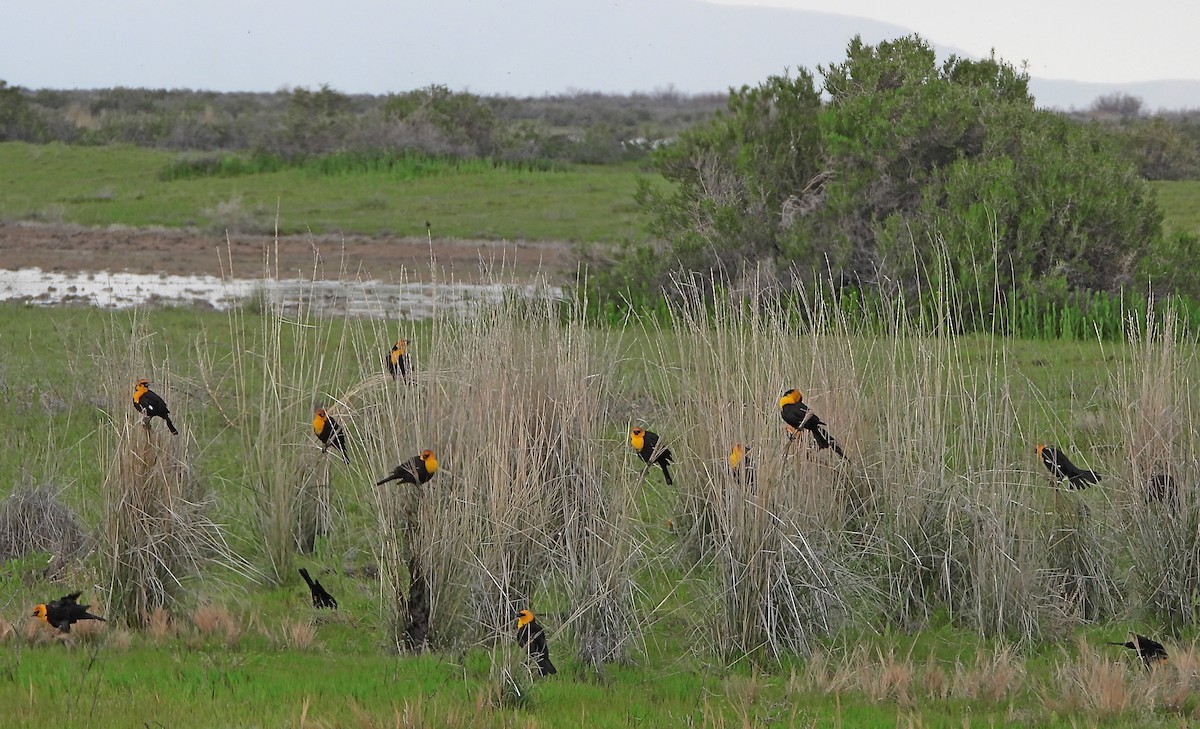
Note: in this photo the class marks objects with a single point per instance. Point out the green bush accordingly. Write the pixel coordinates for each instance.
(912, 177)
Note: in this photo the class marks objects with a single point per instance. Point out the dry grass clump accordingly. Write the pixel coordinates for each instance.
(779, 543)
(1157, 508)
(34, 518)
(7, 630)
(992, 678)
(297, 634)
(155, 526)
(278, 376)
(1093, 684)
(525, 496)
(159, 625)
(217, 620)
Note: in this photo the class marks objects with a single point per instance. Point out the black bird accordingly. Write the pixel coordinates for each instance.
(148, 402)
(800, 417)
(64, 612)
(330, 432)
(1150, 651)
(645, 443)
(1061, 468)
(320, 598)
(416, 470)
(532, 636)
(396, 360)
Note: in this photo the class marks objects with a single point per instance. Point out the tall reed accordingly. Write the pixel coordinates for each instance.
(156, 526)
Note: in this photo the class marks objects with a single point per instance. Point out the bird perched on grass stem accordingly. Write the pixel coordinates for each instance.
(416, 470)
(330, 432)
(397, 360)
(532, 636)
(1150, 651)
(1061, 468)
(646, 444)
(800, 417)
(739, 464)
(64, 612)
(148, 402)
(320, 598)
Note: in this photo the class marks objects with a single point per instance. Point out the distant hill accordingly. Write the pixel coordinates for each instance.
(515, 48)
(1155, 95)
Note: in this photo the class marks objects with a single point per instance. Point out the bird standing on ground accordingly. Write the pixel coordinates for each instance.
(416, 470)
(330, 431)
(148, 402)
(1061, 468)
(799, 417)
(64, 612)
(320, 598)
(532, 636)
(397, 360)
(1150, 651)
(645, 443)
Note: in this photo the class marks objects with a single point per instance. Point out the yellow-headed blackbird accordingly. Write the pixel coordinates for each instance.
(799, 417)
(416, 470)
(531, 636)
(64, 612)
(148, 402)
(330, 431)
(320, 598)
(1161, 487)
(739, 464)
(397, 360)
(1150, 651)
(1060, 467)
(645, 443)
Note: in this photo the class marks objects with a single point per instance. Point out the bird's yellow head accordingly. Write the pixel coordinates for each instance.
(525, 617)
(1040, 448)
(736, 455)
(399, 349)
(39, 612)
(790, 397)
(319, 420)
(140, 388)
(430, 461)
(637, 438)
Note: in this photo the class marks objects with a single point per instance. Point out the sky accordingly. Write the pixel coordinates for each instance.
(1101, 41)
(532, 47)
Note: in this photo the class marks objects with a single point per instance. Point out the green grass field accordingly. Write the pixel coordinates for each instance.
(100, 186)
(940, 425)
(937, 579)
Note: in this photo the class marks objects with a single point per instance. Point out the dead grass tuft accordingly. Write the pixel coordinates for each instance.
(993, 678)
(217, 620)
(159, 625)
(298, 634)
(33, 518)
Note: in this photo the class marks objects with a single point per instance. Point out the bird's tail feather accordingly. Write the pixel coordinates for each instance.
(307, 578)
(666, 473)
(170, 425)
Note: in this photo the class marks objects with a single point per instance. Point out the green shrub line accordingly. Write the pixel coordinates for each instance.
(1077, 316)
(397, 164)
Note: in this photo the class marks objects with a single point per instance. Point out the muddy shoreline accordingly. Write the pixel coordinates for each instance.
(72, 248)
